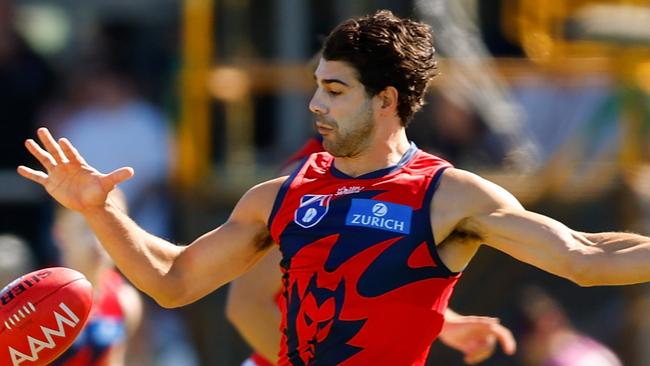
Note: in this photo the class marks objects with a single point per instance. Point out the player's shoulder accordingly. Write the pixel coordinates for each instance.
(459, 179)
(470, 192)
(269, 188)
(258, 201)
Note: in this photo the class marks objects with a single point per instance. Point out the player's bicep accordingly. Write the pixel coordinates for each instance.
(499, 221)
(533, 238)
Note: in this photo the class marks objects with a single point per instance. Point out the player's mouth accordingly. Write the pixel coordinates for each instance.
(323, 128)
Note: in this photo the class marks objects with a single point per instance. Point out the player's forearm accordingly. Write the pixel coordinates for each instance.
(620, 258)
(143, 258)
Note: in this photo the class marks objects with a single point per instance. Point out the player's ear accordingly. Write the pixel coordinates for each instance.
(388, 98)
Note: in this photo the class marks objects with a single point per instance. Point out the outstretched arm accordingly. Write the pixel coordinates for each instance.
(172, 275)
(475, 336)
(490, 215)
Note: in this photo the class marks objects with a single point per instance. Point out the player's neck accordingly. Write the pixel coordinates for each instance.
(385, 151)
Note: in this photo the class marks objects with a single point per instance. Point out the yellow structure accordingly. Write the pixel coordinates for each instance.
(194, 132)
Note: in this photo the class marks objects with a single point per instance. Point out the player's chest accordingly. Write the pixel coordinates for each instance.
(362, 235)
(328, 224)
(367, 206)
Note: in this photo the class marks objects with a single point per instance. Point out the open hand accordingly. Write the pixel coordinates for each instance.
(67, 177)
(476, 337)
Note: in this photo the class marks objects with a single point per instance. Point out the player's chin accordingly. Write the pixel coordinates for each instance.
(330, 145)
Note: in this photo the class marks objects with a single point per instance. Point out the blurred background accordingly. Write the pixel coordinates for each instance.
(204, 98)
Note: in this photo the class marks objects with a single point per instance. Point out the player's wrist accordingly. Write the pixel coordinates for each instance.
(100, 210)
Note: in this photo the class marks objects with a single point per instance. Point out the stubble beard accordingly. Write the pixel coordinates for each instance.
(353, 142)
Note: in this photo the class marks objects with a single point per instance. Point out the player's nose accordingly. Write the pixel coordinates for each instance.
(316, 105)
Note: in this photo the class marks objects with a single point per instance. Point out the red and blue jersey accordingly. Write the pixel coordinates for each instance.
(362, 280)
(104, 330)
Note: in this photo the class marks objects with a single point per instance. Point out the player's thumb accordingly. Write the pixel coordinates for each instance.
(118, 176)
(506, 339)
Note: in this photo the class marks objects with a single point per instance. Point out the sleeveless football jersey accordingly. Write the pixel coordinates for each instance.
(362, 280)
(104, 330)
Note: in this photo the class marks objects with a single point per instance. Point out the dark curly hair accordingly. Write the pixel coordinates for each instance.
(387, 51)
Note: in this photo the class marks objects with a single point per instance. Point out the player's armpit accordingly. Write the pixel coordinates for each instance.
(460, 196)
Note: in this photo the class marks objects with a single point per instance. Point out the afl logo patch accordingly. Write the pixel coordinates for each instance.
(312, 209)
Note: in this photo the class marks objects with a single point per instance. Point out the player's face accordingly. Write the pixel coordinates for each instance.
(344, 112)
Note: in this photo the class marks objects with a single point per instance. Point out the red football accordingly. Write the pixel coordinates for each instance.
(41, 314)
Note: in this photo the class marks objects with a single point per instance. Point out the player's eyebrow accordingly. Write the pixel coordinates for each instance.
(331, 81)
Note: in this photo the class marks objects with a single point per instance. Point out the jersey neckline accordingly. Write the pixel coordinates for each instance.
(408, 155)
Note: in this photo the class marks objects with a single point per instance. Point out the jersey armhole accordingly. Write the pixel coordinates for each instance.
(279, 198)
(433, 248)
